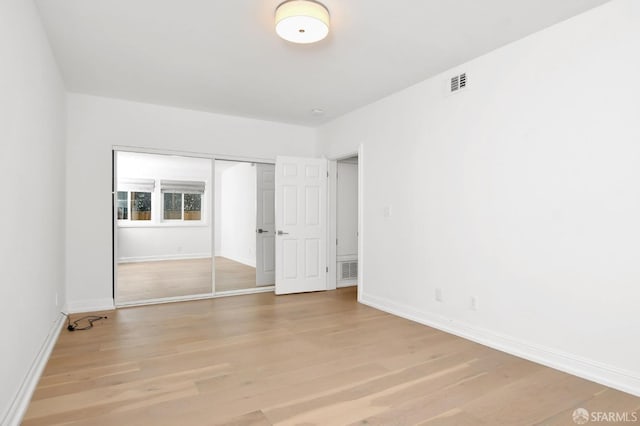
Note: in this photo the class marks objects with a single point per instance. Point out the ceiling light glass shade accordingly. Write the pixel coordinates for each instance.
(302, 21)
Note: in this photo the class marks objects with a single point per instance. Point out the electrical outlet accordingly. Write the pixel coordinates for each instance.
(438, 295)
(473, 303)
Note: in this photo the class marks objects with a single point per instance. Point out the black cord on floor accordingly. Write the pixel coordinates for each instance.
(89, 318)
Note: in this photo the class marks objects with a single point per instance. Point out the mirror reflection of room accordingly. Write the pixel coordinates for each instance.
(163, 227)
(244, 234)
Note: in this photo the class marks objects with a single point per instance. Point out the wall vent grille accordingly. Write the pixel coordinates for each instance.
(455, 83)
(458, 82)
(348, 270)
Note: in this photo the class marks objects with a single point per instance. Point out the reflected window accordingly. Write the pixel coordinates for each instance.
(172, 206)
(192, 206)
(123, 205)
(140, 206)
(180, 206)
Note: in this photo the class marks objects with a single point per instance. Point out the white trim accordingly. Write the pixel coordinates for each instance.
(346, 258)
(162, 300)
(143, 150)
(159, 151)
(252, 290)
(159, 258)
(245, 159)
(343, 284)
(607, 375)
(332, 193)
(114, 226)
(360, 221)
(18, 406)
(212, 215)
(332, 187)
(90, 305)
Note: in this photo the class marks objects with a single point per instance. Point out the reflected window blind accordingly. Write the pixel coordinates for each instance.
(183, 186)
(136, 185)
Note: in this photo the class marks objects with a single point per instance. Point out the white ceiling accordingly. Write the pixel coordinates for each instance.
(223, 55)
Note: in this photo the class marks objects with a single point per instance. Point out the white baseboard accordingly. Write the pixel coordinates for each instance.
(159, 258)
(20, 402)
(265, 289)
(607, 375)
(342, 284)
(252, 290)
(347, 258)
(91, 305)
(248, 262)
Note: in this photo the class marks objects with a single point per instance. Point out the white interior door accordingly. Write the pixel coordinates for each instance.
(301, 224)
(265, 225)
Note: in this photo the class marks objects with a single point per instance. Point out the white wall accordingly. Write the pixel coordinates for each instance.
(157, 239)
(238, 213)
(32, 218)
(522, 191)
(96, 124)
(163, 243)
(347, 211)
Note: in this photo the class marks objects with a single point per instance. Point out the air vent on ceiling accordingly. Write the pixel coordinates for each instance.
(348, 270)
(458, 82)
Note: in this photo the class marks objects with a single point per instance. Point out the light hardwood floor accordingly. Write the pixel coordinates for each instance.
(141, 281)
(167, 278)
(318, 358)
(231, 275)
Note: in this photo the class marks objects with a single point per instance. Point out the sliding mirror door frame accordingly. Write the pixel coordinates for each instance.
(212, 218)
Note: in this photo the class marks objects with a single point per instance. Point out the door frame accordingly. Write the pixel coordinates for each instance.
(211, 205)
(332, 258)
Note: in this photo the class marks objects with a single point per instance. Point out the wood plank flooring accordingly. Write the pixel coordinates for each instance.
(173, 278)
(166, 278)
(231, 275)
(307, 359)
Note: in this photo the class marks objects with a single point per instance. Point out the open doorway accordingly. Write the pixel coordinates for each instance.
(347, 222)
(244, 226)
(162, 227)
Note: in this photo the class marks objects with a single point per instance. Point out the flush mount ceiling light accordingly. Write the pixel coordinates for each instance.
(302, 21)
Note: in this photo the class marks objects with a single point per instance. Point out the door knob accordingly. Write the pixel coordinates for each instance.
(282, 233)
(261, 231)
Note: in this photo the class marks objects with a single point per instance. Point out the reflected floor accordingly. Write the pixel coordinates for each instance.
(167, 278)
(141, 281)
